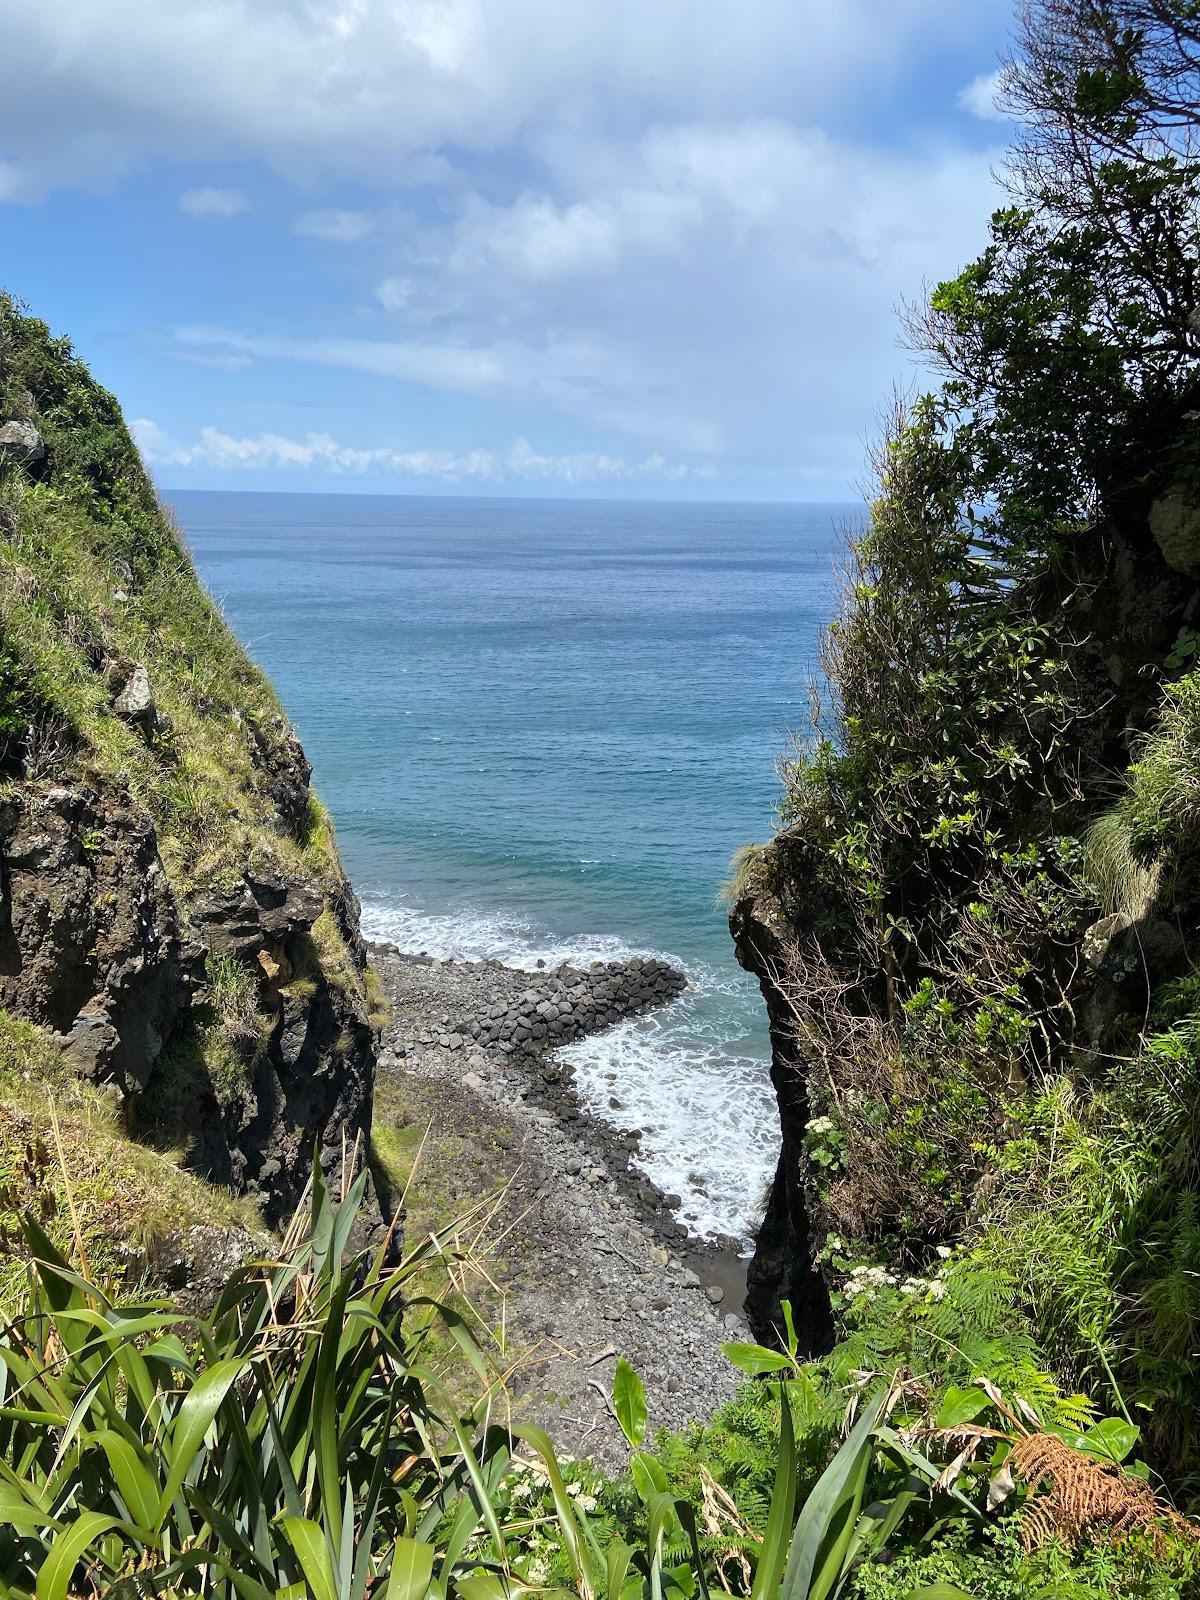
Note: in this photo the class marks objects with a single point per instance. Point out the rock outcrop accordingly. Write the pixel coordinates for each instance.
(92, 944)
(783, 1265)
(172, 908)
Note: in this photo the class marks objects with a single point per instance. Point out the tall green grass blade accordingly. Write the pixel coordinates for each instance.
(483, 1496)
(773, 1554)
(192, 1421)
(462, 1530)
(326, 1414)
(411, 1570)
(822, 1518)
(366, 1532)
(345, 1218)
(687, 1517)
(344, 1551)
(26, 1515)
(136, 1483)
(620, 1558)
(54, 1579)
(564, 1510)
(659, 1511)
(308, 1541)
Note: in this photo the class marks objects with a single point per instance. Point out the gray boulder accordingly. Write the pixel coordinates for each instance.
(20, 444)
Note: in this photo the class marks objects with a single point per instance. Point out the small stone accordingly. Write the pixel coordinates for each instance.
(673, 1384)
(715, 1293)
(20, 442)
(689, 1280)
(573, 1165)
(136, 701)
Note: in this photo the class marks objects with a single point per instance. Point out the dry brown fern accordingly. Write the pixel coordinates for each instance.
(1082, 1495)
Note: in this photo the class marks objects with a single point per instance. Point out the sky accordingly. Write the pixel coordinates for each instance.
(640, 248)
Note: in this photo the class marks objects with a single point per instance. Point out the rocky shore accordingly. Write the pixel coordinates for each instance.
(595, 1263)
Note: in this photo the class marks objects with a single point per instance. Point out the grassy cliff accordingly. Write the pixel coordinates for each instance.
(177, 933)
(978, 929)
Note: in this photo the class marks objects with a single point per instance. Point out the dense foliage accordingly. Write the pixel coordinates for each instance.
(989, 880)
(989, 865)
(299, 1441)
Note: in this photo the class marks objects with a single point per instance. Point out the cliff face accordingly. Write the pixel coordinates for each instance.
(783, 1266)
(173, 913)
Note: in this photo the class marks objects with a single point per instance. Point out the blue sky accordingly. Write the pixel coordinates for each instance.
(629, 247)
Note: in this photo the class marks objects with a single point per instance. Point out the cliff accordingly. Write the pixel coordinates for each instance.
(977, 930)
(178, 941)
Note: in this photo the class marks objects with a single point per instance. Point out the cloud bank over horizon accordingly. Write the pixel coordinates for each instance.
(673, 234)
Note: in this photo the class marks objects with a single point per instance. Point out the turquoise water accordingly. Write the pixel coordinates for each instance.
(543, 727)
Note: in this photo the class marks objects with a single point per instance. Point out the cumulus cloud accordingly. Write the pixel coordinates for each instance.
(207, 203)
(710, 288)
(677, 228)
(368, 86)
(520, 462)
(980, 97)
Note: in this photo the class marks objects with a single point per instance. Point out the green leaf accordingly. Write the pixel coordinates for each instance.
(54, 1579)
(793, 1343)
(959, 1406)
(26, 1516)
(192, 1422)
(755, 1359)
(411, 1570)
(1111, 1440)
(660, 1514)
(938, 1591)
(822, 1529)
(326, 1410)
(773, 1554)
(629, 1402)
(564, 1510)
(620, 1557)
(312, 1552)
(649, 1475)
(136, 1484)
(483, 1586)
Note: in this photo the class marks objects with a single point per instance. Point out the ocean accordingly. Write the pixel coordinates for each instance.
(543, 728)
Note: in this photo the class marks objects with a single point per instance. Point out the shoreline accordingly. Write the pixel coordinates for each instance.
(602, 1265)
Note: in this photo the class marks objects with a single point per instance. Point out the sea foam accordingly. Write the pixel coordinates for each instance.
(682, 1076)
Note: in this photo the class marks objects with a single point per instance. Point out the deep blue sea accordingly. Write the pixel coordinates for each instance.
(543, 728)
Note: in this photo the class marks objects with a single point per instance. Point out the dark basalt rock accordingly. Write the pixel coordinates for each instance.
(265, 909)
(95, 947)
(92, 945)
(782, 1267)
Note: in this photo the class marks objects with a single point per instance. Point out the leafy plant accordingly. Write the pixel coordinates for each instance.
(290, 1438)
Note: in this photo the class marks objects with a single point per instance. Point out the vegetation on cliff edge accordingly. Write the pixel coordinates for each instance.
(988, 873)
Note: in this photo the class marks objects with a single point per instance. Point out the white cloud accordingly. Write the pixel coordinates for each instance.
(710, 288)
(686, 223)
(371, 87)
(520, 462)
(980, 96)
(342, 227)
(206, 203)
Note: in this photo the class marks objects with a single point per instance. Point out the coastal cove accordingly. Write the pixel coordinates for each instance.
(542, 729)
